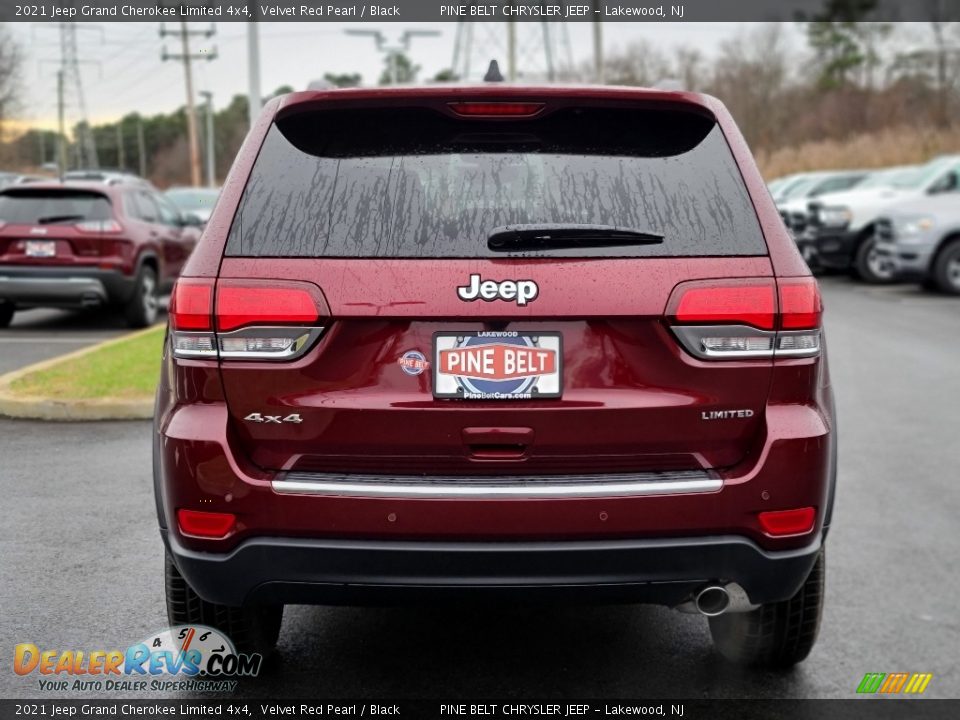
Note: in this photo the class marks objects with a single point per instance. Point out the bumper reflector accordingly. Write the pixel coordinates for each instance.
(205, 524)
(788, 522)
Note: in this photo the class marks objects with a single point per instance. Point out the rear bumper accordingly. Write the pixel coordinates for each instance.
(63, 286)
(362, 572)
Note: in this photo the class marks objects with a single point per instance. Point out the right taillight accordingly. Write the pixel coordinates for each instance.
(245, 319)
(747, 319)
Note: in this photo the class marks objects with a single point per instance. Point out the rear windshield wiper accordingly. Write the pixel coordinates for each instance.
(53, 219)
(563, 236)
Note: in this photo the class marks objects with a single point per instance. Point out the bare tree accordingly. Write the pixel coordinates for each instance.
(689, 68)
(640, 63)
(751, 77)
(10, 60)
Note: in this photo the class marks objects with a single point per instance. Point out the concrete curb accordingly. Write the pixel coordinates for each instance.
(36, 407)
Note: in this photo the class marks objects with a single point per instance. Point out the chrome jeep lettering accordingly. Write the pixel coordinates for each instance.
(522, 291)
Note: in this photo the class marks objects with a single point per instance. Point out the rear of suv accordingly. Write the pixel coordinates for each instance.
(88, 245)
(490, 342)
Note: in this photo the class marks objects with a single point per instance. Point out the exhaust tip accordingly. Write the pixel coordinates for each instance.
(712, 601)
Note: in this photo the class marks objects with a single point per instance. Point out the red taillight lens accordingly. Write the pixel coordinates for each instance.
(800, 305)
(747, 319)
(747, 304)
(273, 320)
(788, 522)
(496, 109)
(205, 524)
(244, 303)
(191, 305)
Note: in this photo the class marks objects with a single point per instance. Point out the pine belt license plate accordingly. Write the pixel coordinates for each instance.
(497, 365)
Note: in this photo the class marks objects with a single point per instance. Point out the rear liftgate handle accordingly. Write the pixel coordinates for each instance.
(497, 443)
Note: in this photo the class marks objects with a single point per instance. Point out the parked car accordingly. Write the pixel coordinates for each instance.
(793, 208)
(108, 176)
(842, 225)
(7, 178)
(89, 244)
(195, 201)
(442, 342)
(782, 188)
(920, 239)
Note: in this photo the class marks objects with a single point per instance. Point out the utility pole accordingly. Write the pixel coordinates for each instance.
(62, 135)
(209, 144)
(511, 51)
(121, 160)
(598, 47)
(253, 70)
(392, 50)
(71, 67)
(141, 148)
(185, 57)
(69, 76)
(524, 49)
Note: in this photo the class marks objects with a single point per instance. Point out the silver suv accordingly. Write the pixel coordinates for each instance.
(920, 240)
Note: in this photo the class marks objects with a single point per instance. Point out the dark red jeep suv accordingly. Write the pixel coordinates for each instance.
(494, 342)
(90, 244)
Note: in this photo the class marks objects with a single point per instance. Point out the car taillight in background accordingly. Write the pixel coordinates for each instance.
(245, 319)
(744, 319)
(99, 226)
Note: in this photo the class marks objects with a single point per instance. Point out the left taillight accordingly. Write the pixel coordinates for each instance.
(747, 319)
(245, 319)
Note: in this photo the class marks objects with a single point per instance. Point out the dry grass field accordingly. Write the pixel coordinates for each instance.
(893, 146)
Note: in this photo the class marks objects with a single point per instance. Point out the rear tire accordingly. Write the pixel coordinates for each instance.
(872, 267)
(253, 629)
(775, 635)
(7, 310)
(946, 268)
(141, 309)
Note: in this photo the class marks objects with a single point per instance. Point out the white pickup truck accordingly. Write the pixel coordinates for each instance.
(841, 227)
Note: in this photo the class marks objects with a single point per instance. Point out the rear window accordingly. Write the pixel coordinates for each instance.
(414, 183)
(41, 207)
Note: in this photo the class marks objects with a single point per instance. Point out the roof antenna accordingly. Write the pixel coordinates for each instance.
(493, 73)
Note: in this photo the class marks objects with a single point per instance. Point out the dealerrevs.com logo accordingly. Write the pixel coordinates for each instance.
(185, 657)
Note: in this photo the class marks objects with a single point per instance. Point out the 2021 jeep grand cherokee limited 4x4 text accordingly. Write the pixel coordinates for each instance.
(497, 341)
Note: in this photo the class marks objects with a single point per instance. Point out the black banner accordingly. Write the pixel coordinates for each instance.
(860, 709)
(358, 11)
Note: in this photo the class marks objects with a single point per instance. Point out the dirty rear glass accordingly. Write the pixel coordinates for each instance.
(414, 183)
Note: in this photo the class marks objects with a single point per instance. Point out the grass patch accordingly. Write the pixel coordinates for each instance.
(128, 369)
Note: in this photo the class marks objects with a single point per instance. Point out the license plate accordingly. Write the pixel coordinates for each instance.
(40, 248)
(497, 365)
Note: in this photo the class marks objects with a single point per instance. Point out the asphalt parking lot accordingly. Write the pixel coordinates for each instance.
(82, 561)
(39, 334)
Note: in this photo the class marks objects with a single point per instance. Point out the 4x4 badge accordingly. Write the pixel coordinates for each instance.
(523, 291)
(275, 419)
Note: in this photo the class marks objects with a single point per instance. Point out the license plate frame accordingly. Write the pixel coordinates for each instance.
(519, 386)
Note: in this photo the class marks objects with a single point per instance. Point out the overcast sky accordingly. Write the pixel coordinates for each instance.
(124, 73)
